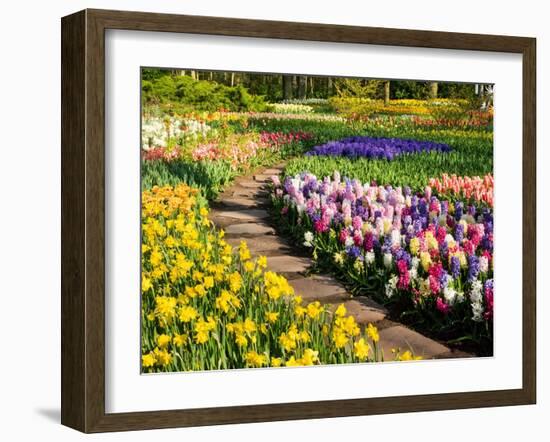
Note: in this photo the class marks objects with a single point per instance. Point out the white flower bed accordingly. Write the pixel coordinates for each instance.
(158, 132)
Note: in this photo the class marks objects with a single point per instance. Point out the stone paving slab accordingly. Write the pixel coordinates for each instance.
(249, 229)
(272, 171)
(223, 223)
(242, 203)
(321, 288)
(288, 264)
(250, 215)
(262, 178)
(365, 310)
(249, 193)
(406, 339)
(263, 245)
(250, 184)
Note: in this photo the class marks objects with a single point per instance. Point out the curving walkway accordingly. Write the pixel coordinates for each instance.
(241, 210)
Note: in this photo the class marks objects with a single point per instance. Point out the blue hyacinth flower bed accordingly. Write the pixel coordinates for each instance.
(376, 148)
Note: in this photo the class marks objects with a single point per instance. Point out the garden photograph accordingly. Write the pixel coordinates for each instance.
(295, 220)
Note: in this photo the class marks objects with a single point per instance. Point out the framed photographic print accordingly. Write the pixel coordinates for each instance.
(267, 221)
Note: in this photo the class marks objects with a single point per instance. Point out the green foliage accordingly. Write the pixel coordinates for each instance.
(457, 90)
(410, 89)
(270, 85)
(208, 176)
(150, 74)
(185, 94)
(359, 88)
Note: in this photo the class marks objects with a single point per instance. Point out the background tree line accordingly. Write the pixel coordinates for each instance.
(277, 87)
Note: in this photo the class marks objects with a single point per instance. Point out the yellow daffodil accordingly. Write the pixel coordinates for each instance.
(372, 333)
(163, 341)
(271, 316)
(148, 360)
(361, 349)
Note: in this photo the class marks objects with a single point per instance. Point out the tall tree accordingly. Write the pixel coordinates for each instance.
(287, 87)
(432, 89)
(302, 86)
(386, 92)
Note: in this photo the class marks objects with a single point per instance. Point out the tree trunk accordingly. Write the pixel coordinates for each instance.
(386, 92)
(232, 79)
(329, 86)
(432, 89)
(287, 87)
(302, 85)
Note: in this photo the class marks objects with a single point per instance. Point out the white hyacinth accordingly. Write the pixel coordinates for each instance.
(477, 311)
(391, 286)
(388, 258)
(370, 257)
(308, 239)
(475, 291)
(449, 294)
(483, 264)
(395, 237)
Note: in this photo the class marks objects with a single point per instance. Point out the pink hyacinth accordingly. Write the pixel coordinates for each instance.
(344, 234)
(442, 306)
(404, 276)
(320, 226)
(357, 238)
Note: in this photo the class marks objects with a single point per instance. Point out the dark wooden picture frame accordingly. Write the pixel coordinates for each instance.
(83, 216)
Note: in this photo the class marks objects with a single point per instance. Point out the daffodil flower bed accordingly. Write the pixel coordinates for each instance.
(367, 107)
(208, 306)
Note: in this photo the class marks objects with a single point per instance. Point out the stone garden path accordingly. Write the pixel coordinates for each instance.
(241, 210)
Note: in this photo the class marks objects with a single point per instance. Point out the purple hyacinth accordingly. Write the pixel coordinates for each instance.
(422, 207)
(473, 267)
(402, 255)
(459, 209)
(443, 249)
(354, 251)
(486, 243)
(386, 248)
(444, 279)
(417, 225)
(444, 207)
(376, 148)
(459, 233)
(455, 266)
